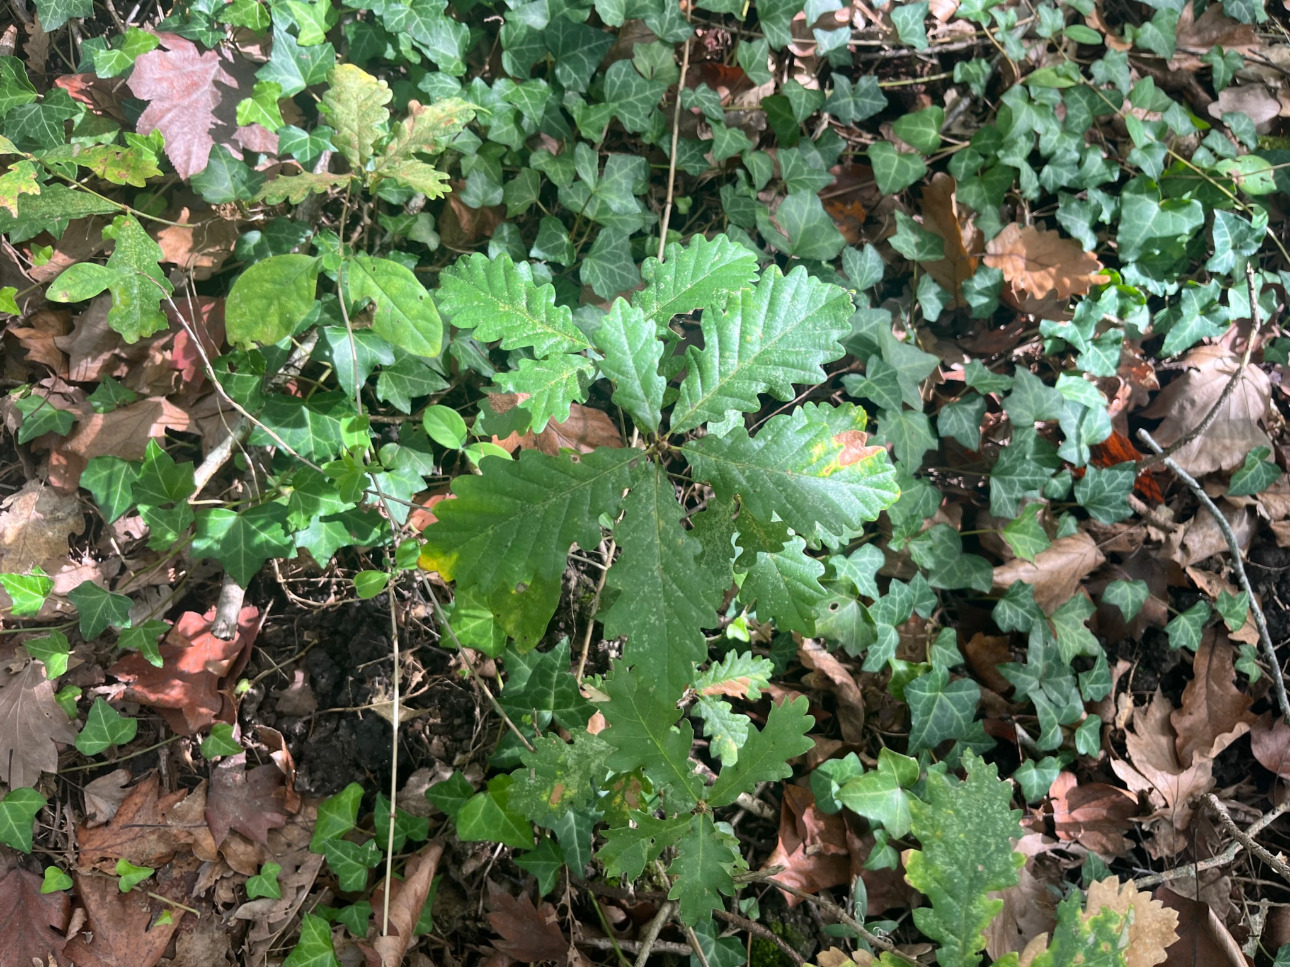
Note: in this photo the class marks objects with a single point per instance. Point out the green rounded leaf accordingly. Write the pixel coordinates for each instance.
(368, 584)
(445, 426)
(270, 299)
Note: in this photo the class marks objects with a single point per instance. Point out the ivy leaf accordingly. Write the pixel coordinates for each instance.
(880, 796)
(540, 688)
(939, 709)
(350, 862)
(27, 591)
(487, 817)
(703, 865)
(354, 107)
(626, 339)
(220, 742)
(1255, 475)
(40, 416)
(243, 541)
(99, 609)
(634, 97)
(915, 242)
(965, 831)
(768, 339)
(55, 13)
(104, 727)
(1128, 596)
(851, 103)
(262, 106)
(499, 300)
(608, 266)
(18, 809)
(131, 274)
(893, 170)
(270, 299)
(403, 314)
(1073, 637)
(1021, 471)
(131, 875)
(808, 231)
(1185, 629)
(803, 467)
(451, 794)
(265, 883)
(766, 752)
(1104, 491)
(314, 948)
(51, 650)
(1025, 535)
(485, 536)
(336, 816)
(663, 603)
(922, 129)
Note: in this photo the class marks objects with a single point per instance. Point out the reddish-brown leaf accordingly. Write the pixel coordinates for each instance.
(407, 897)
(528, 933)
(1215, 713)
(830, 675)
(31, 922)
(249, 802)
(186, 687)
(812, 845)
(118, 933)
(941, 216)
(139, 832)
(182, 86)
(124, 433)
(1093, 814)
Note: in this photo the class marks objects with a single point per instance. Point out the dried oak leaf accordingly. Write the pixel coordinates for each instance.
(118, 933)
(1043, 264)
(31, 722)
(1214, 713)
(124, 433)
(830, 675)
(812, 845)
(250, 802)
(31, 922)
(1153, 928)
(407, 897)
(139, 832)
(528, 934)
(1156, 768)
(104, 795)
(194, 661)
(1093, 814)
(39, 337)
(1055, 573)
(1184, 403)
(181, 85)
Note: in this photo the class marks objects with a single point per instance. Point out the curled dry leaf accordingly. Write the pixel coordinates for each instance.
(1214, 713)
(1055, 573)
(1270, 742)
(104, 795)
(830, 675)
(812, 845)
(1156, 768)
(407, 897)
(1236, 429)
(527, 933)
(962, 239)
(1202, 937)
(1041, 263)
(39, 337)
(1093, 814)
(186, 687)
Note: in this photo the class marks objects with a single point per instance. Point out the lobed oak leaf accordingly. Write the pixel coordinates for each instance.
(1056, 573)
(181, 85)
(1156, 768)
(186, 687)
(1043, 264)
(31, 922)
(1153, 928)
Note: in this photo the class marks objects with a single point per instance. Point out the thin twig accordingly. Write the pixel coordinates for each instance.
(757, 930)
(632, 946)
(1199, 429)
(1238, 562)
(835, 911)
(1219, 859)
(695, 946)
(1245, 839)
(676, 140)
(595, 606)
(651, 932)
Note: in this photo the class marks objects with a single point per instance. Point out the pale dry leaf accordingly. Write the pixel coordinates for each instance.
(407, 898)
(1236, 429)
(1156, 769)
(81, 241)
(1214, 713)
(830, 675)
(1196, 36)
(1029, 905)
(1055, 573)
(31, 723)
(104, 795)
(1270, 742)
(35, 525)
(1255, 101)
(962, 239)
(1094, 814)
(138, 832)
(39, 337)
(584, 431)
(201, 246)
(182, 86)
(124, 433)
(1202, 538)
(1153, 927)
(1043, 264)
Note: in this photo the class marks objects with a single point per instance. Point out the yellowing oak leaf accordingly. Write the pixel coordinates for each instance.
(1043, 264)
(1152, 929)
(181, 85)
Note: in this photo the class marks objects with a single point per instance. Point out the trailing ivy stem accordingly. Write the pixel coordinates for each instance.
(676, 137)
(1260, 622)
